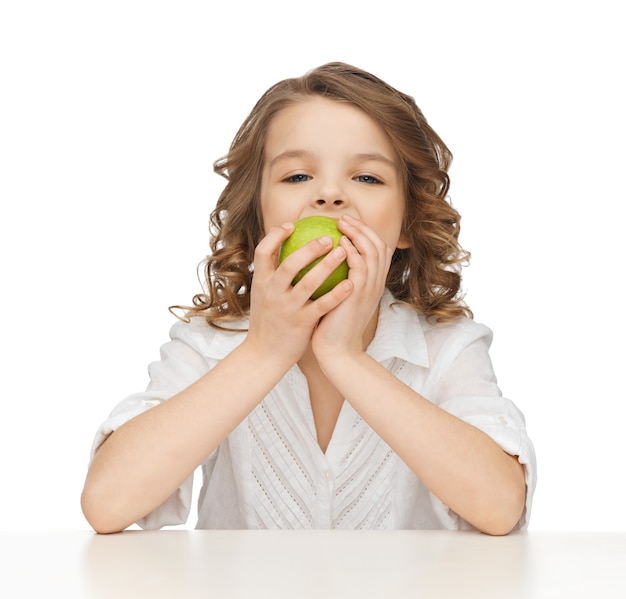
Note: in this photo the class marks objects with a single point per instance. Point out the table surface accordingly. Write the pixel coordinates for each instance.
(322, 564)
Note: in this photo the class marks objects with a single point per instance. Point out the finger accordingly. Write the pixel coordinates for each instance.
(319, 272)
(353, 256)
(332, 299)
(266, 252)
(365, 239)
(304, 257)
(366, 272)
(367, 242)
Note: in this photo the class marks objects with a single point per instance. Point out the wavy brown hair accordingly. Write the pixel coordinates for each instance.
(426, 275)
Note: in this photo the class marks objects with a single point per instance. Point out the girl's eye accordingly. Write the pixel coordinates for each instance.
(369, 179)
(298, 178)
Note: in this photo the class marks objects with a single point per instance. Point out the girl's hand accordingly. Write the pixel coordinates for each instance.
(282, 317)
(341, 332)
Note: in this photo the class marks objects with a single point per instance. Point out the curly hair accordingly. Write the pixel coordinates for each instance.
(426, 275)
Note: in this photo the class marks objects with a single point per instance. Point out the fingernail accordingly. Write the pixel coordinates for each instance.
(345, 285)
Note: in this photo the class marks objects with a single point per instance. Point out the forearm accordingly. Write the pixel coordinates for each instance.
(460, 464)
(142, 463)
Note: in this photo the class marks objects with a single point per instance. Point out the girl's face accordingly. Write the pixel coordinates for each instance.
(328, 158)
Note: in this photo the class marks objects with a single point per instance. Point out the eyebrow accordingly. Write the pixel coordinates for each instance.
(290, 154)
(375, 157)
(361, 157)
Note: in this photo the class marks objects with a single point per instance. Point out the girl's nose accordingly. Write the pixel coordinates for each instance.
(328, 203)
(329, 194)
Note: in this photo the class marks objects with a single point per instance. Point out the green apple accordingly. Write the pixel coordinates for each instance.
(307, 229)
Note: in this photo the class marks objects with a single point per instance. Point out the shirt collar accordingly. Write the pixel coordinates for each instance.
(399, 333)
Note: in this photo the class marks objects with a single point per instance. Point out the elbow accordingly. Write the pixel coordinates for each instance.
(507, 502)
(98, 513)
(501, 526)
(506, 513)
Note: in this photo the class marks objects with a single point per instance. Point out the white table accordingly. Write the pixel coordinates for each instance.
(323, 564)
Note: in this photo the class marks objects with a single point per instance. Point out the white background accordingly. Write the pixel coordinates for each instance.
(112, 114)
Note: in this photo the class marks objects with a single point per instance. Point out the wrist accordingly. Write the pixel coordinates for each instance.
(342, 364)
(258, 355)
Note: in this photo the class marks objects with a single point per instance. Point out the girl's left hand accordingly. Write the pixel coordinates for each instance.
(341, 332)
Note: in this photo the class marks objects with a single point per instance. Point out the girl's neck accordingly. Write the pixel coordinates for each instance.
(326, 400)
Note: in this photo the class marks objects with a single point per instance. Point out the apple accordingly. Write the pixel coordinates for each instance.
(307, 229)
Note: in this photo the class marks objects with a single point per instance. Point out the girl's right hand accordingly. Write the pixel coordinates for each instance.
(282, 316)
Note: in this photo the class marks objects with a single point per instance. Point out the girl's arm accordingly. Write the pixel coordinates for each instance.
(460, 464)
(145, 460)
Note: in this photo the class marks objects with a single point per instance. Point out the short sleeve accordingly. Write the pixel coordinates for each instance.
(181, 364)
(467, 387)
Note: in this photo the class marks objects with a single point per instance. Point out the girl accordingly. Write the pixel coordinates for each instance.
(374, 406)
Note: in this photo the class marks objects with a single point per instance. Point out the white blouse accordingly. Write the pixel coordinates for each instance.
(271, 473)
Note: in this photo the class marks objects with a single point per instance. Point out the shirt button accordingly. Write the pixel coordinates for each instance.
(329, 475)
(502, 420)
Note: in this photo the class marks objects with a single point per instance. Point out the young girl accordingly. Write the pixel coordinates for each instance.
(374, 406)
